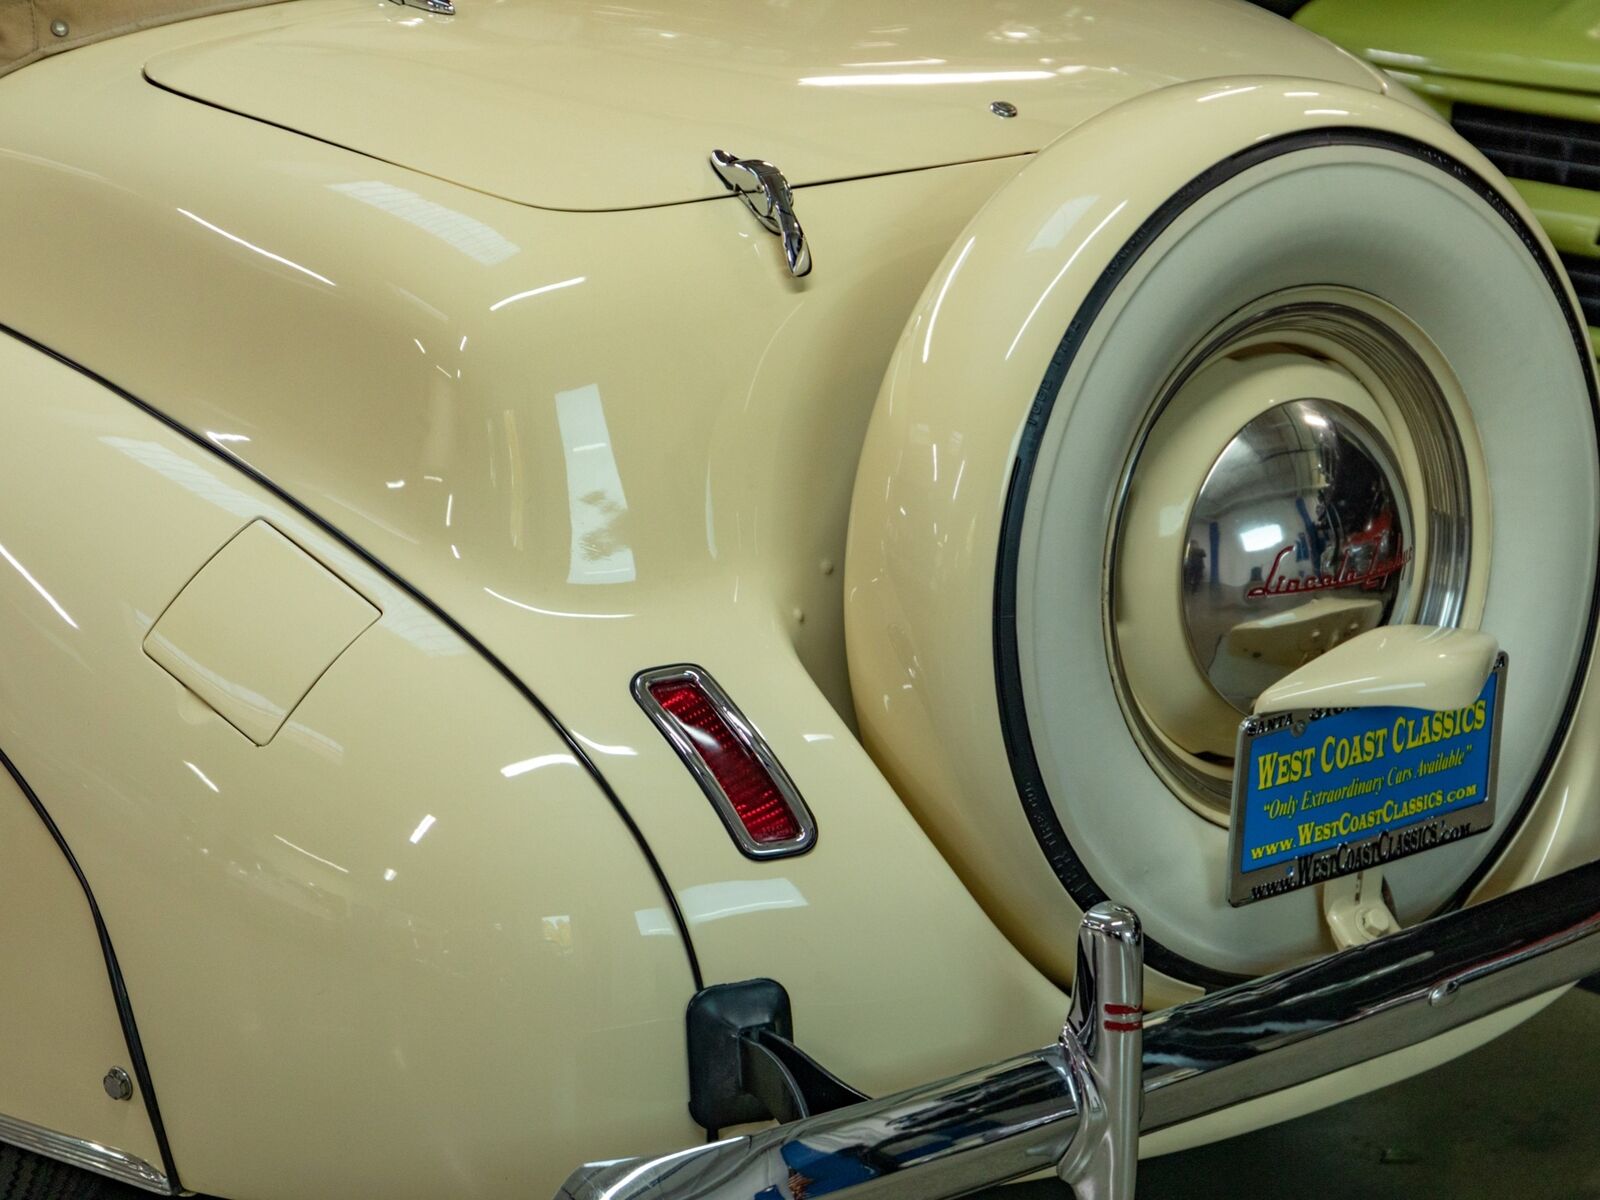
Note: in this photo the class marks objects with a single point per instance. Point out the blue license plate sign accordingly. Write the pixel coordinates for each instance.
(1328, 792)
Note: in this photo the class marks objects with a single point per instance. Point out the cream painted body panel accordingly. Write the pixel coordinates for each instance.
(255, 628)
(56, 995)
(1411, 665)
(462, 486)
(406, 949)
(601, 442)
(368, 359)
(567, 105)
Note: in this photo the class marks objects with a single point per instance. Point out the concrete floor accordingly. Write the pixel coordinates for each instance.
(1517, 1119)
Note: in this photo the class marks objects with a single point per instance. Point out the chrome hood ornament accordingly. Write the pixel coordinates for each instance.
(766, 194)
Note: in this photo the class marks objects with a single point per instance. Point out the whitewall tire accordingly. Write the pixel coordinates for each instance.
(1359, 265)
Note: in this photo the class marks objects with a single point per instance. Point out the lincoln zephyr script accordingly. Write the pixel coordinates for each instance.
(1329, 792)
(1276, 584)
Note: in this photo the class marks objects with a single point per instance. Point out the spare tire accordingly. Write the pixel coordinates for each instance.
(1218, 329)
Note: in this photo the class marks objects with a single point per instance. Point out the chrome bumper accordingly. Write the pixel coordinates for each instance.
(1079, 1105)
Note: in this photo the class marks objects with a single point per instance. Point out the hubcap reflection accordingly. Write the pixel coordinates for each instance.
(1299, 539)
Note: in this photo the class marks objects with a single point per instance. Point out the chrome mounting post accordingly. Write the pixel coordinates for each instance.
(1103, 1044)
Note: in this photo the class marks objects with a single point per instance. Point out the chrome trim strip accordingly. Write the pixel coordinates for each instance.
(1019, 1116)
(752, 741)
(80, 1152)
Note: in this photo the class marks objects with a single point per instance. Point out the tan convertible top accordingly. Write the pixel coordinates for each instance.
(31, 29)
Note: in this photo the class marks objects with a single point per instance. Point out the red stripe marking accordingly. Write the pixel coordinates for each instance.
(1123, 1010)
(1124, 1026)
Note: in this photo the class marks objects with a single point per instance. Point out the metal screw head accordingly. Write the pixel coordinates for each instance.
(117, 1084)
(1003, 108)
(58, 27)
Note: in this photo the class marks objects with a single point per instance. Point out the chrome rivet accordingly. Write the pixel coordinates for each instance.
(1003, 108)
(58, 27)
(117, 1084)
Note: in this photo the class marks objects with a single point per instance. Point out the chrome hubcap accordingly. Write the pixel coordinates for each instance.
(1301, 480)
(1299, 538)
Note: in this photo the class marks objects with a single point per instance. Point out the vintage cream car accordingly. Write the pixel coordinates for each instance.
(575, 575)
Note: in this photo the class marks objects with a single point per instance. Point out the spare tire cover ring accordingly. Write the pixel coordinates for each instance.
(1031, 789)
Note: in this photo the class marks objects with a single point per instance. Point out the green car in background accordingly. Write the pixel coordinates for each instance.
(1520, 81)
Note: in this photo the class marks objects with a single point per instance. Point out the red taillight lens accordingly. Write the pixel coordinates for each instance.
(735, 768)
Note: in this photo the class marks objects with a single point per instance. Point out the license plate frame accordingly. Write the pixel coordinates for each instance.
(1363, 813)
